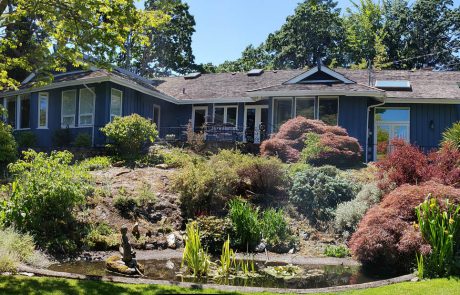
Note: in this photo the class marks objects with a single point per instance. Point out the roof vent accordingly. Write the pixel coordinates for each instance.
(255, 72)
(192, 76)
(401, 85)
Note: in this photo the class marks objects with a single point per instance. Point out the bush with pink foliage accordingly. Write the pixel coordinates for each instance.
(339, 148)
(386, 239)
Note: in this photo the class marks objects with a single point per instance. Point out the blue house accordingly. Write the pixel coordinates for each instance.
(374, 107)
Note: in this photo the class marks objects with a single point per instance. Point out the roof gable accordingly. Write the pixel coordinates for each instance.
(319, 74)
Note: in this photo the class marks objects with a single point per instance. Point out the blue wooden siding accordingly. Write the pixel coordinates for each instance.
(352, 117)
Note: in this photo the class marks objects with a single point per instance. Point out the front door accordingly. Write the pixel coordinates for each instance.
(255, 123)
(390, 123)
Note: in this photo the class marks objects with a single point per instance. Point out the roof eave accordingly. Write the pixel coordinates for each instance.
(423, 100)
(258, 94)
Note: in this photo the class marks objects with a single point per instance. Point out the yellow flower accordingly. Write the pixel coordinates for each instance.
(416, 226)
(451, 221)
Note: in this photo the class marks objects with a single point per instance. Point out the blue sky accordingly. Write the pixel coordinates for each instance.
(225, 27)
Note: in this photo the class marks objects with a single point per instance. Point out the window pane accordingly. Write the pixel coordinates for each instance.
(11, 106)
(283, 111)
(305, 107)
(69, 99)
(25, 111)
(219, 116)
(68, 121)
(231, 115)
(156, 116)
(392, 115)
(86, 120)
(42, 110)
(115, 103)
(383, 140)
(328, 110)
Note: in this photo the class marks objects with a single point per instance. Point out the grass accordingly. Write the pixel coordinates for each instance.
(54, 286)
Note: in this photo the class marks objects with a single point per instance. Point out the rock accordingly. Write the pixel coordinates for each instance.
(115, 264)
(171, 239)
(135, 231)
(149, 246)
(27, 274)
(260, 248)
(155, 217)
(291, 251)
(170, 264)
(414, 279)
(162, 166)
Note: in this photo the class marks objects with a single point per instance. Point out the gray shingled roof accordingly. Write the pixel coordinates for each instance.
(425, 84)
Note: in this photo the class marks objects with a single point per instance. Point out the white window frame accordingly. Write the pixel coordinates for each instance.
(62, 109)
(197, 108)
(112, 116)
(91, 90)
(43, 95)
(258, 117)
(338, 107)
(159, 114)
(225, 107)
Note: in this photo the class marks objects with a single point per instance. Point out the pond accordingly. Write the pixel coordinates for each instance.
(312, 276)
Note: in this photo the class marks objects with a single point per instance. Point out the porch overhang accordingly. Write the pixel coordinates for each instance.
(266, 94)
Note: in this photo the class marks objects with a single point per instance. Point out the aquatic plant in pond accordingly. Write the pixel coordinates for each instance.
(227, 259)
(195, 258)
(336, 251)
(440, 227)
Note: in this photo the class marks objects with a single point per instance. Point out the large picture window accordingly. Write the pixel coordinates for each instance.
(328, 110)
(116, 103)
(225, 115)
(43, 109)
(282, 111)
(86, 107)
(305, 107)
(68, 108)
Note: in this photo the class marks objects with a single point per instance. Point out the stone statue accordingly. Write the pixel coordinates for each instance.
(127, 263)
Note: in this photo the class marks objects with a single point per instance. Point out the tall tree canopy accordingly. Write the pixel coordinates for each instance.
(169, 49)
(315, 31)
(45, 36)
(251, 58)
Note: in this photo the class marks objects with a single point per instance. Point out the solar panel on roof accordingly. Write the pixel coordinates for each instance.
(255, 72)
(393, 84)
(192, 75)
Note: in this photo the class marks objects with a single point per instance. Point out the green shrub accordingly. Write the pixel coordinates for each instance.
(246, 223)
(316, 194)
(452, 135)
(16, 248)
(214, 231)
(129, 135)
(337, 251)
(83, 140)
(126, 205)
(177, 158)
(440, 227)
(8, 147)
(45, 191)
(26, 139)
(204, 187)
(62, 137)
(102, 237)
(349, 214)
(96, 163)
(275, 229)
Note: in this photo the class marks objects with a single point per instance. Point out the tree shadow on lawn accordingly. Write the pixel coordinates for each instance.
(44, 285)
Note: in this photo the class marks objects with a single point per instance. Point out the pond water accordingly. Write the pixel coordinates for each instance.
(313, 276)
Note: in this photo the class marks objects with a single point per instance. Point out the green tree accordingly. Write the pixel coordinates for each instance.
(314, 32)
(251, 58)
(59, 33)
(363, 22)
(169, 49)
(397, 24)
(435, 33)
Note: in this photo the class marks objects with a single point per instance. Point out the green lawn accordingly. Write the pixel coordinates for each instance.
(25, 285)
